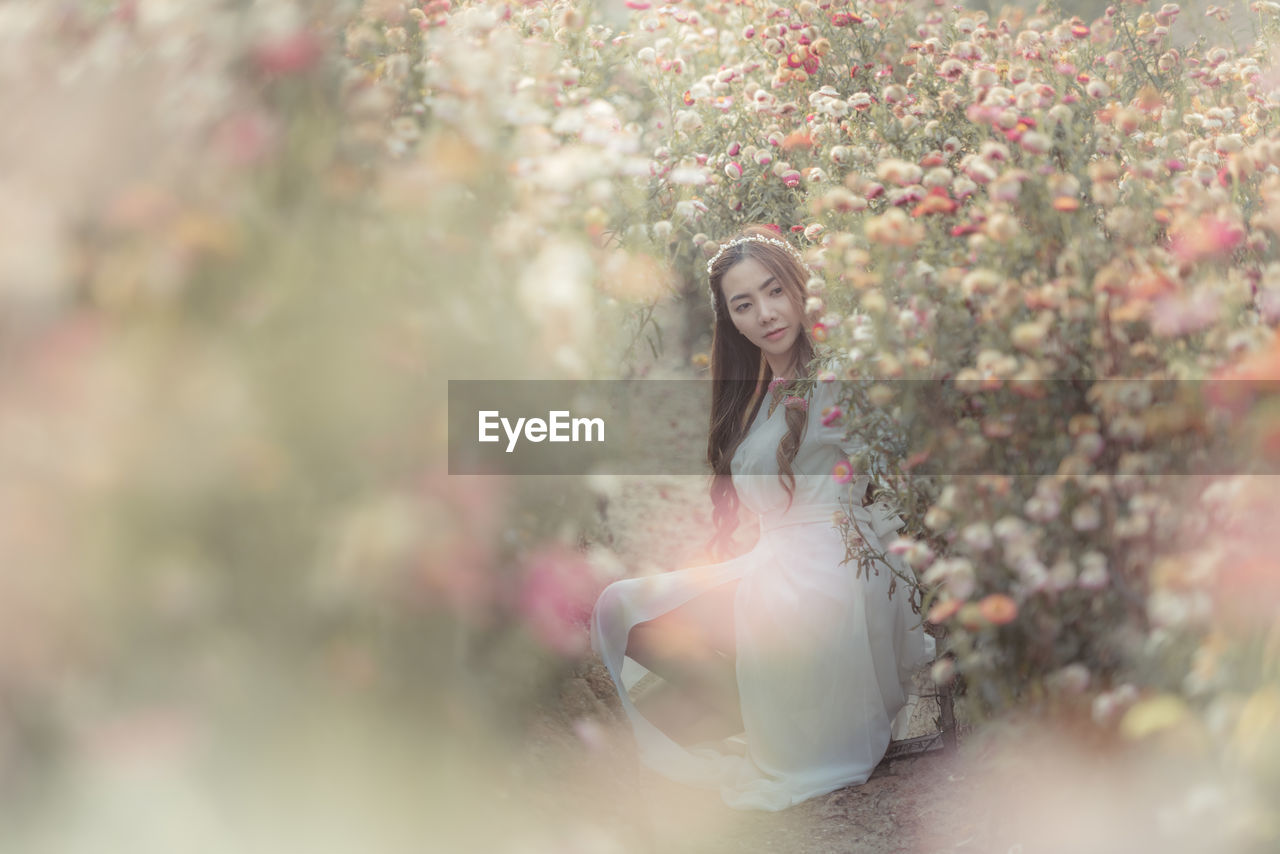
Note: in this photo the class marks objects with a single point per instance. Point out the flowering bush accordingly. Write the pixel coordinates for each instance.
(1022, 212)
(243, 255)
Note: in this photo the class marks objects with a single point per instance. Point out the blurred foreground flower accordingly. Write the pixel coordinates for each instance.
(558, 590)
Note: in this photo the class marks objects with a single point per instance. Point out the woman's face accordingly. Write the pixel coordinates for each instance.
(761, 310)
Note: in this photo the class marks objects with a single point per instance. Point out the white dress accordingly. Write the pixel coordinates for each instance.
(824, 657)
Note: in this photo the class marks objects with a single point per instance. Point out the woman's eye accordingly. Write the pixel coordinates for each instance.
(740, 306)
(777, 291)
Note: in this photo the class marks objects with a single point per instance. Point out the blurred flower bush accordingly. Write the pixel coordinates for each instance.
(246, 247)
(247, 244)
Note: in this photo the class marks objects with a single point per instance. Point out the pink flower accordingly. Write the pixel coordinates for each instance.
(831, 415)
(289, 54)
(796, 402)
(247, 137)
(842, 472)
(1206, 237)
(556, 598)
(1180, 314)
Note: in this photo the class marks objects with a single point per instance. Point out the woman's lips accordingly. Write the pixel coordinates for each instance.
(775, 334)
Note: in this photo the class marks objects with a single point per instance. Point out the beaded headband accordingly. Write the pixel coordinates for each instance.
(757, 238)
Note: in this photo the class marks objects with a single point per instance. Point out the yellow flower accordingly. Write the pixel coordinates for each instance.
(1153, 715)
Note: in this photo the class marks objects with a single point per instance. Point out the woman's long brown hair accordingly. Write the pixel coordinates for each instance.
(740, 374)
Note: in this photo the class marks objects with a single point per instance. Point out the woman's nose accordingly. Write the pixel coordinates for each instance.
(767, 313)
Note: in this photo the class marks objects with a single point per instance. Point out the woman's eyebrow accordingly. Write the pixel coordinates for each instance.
(763, 285)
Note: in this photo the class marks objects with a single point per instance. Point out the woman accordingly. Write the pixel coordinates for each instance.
(783, 669)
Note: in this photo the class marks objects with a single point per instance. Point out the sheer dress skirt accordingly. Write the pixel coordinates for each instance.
(824, 658)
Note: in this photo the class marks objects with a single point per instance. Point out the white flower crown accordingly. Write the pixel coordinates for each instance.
(758, 238)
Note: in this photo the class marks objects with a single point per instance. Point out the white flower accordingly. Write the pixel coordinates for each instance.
(919, 556)
(860, 100)
(1086, 517)
(938, 176)
(955, 574)
(977, 536)
(1010, 527)
(1168, 609)
(690, 209)
(1035, 142)
(1032, 572)
(694, 176)
(1041, 509)
(1062, 575)
(899, 172)
(1070, 680)
(1093, 572)
(688, 121)
(1096, 88)
(937, 518)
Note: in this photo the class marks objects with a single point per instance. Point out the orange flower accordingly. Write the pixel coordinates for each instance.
(797, 139)
(1262, 365)
(1066, 203)
(1150, 284)
(944, 611)
(1149, 98)
(936, 202)
(998, 609)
